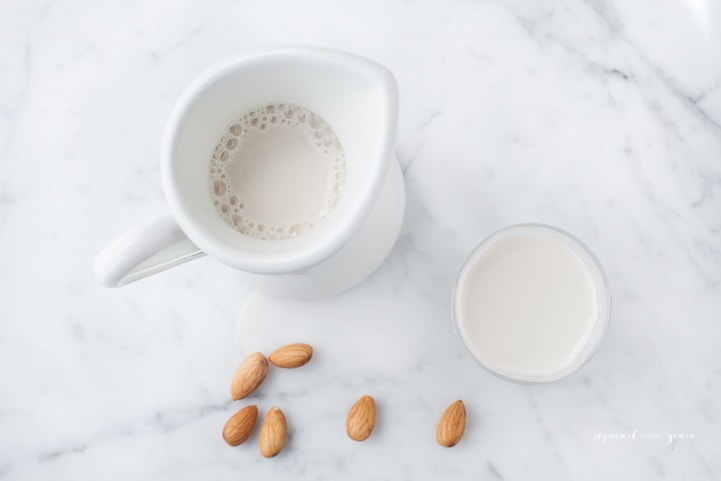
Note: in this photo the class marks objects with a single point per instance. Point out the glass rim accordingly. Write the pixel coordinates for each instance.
(586, 348)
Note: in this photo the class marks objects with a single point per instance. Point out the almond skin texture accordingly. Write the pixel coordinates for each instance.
(292, 355)
(361, 419)
(240, 426)
(452, 425)
(273, 433)
(249, 375)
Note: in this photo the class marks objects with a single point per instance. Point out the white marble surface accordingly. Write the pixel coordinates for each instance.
(600, 117)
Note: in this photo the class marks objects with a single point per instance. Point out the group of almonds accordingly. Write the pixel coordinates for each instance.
(249, 375)
(274, 431)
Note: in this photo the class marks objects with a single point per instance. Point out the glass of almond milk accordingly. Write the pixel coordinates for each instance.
(531, 303)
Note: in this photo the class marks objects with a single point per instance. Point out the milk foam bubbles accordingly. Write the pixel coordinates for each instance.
(276, 172)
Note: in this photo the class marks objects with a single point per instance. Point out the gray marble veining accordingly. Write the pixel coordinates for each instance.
(601, 117)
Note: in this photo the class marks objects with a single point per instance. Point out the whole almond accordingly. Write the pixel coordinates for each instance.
(361, 419)
(452, 425)
(240, 426)
(249, 375)
(292, 355)
(273, 433)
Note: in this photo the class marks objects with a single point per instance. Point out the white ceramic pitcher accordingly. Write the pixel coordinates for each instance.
(356, 97)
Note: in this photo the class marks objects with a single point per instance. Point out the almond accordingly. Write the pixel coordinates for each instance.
(249, 375)
(292, 355)
(240, 426)
(361, 419)
(273, 433)
(452, 425)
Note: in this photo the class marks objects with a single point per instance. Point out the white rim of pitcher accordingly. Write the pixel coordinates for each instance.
(315, 252)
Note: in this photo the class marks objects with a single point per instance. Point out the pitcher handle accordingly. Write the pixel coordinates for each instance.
(145, 249)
